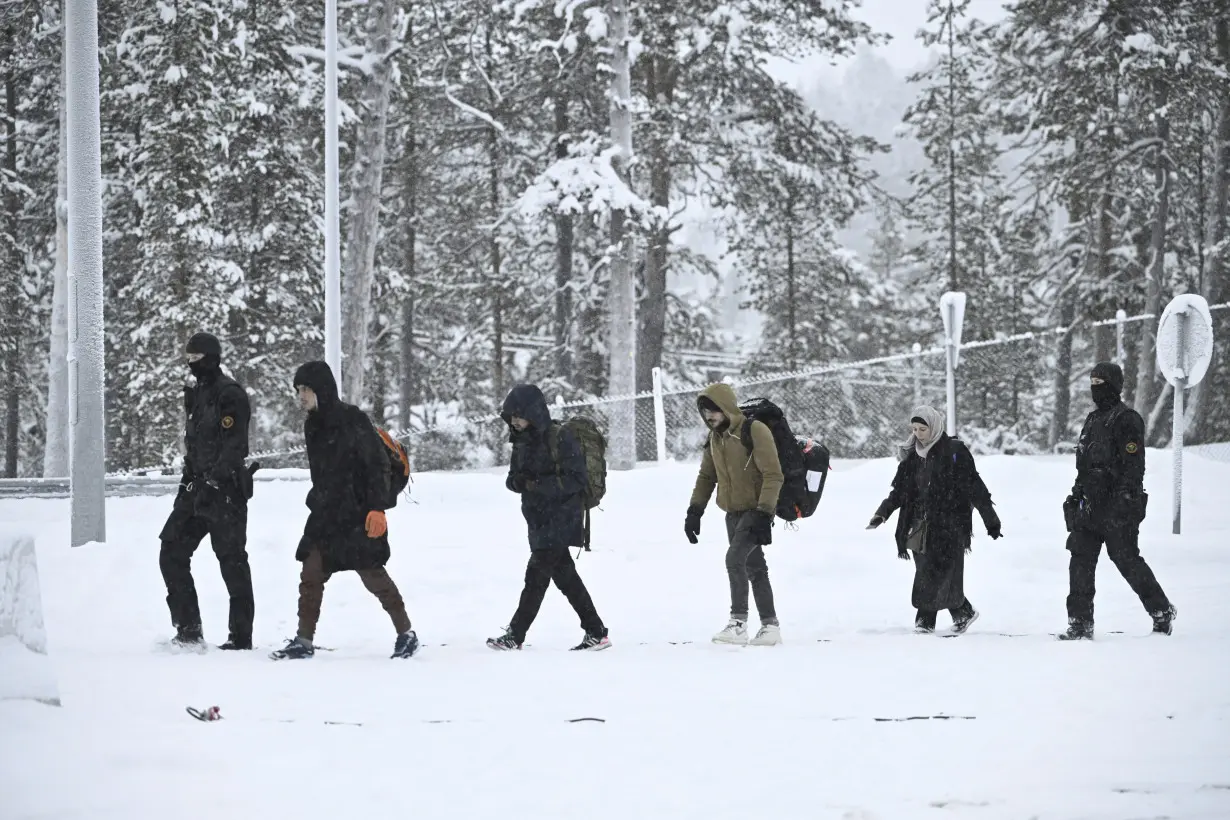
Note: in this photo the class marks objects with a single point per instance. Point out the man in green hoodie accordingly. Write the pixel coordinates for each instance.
(747, 483)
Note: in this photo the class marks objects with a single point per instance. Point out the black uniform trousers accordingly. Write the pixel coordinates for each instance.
(547, 565)
(1123, 547)
(228, 534)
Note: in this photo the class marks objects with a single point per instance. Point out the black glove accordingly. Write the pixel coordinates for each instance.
(691, 525)
(762, 528)
(517, 482)
(876, 520)
(904, 555)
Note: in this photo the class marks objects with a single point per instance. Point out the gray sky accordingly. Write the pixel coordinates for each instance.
(899, 18)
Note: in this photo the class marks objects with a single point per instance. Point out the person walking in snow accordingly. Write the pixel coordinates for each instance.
(346, 527)
(547, 470)
(212, 499)
(936, 488)
(747, 484)
(1107, 505)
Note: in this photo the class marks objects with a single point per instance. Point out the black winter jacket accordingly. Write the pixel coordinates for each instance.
(954, 490)
(349, 478)
(1110, 467)
(551, 494)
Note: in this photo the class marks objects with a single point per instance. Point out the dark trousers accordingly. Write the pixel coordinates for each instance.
(545, 566)
(746, 567)
(228, 534)
(1123, 547)
(312, 580)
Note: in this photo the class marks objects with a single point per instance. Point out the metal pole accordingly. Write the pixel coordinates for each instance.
(918, 392)
(333, 251)
(1120, 352)
(1176, 442)
(659, 414)
(951, 345)
(87, 468)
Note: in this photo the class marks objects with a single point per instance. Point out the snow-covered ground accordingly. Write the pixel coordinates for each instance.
(1129, 726)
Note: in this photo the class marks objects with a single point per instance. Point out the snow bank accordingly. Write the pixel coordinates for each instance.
(27, 671)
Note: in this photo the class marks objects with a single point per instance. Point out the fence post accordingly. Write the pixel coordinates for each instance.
(659, 414)
(918, 394)
(1120, 324)
(1176, 443)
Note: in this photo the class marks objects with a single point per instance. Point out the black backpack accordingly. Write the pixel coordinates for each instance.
(399, 467)
(804, 461)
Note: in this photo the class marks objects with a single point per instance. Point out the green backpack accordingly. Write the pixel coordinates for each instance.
(593, 448)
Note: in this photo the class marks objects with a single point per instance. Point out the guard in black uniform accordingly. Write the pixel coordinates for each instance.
(212, 499)
(1107, 505)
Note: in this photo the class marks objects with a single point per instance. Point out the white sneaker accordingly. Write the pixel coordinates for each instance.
(734, 633)
(769, 635)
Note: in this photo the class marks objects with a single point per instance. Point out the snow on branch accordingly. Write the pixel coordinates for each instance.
(586, 181)
(354, 57)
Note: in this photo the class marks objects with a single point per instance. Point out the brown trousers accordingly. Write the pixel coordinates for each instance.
(312, 592)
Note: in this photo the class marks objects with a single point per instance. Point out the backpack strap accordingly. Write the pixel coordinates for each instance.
(552, 436)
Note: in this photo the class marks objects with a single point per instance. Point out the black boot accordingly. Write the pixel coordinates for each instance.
(924, 622)
(237, 643)
(962, 617)
(1078, 630)
(1163, 622)
(189, 637)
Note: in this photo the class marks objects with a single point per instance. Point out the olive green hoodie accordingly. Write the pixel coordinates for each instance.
(744, 481)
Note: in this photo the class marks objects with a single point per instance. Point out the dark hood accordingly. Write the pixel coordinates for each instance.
(319, 377)
(527, 402)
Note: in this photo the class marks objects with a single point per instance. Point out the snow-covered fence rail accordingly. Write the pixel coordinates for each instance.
(1016, 393)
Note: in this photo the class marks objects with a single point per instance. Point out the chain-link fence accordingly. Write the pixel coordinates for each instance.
(1024, 393)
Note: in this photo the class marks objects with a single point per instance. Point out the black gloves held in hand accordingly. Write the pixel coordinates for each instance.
(991, 520)
(519, 483)
(762, 527)
(691, 525)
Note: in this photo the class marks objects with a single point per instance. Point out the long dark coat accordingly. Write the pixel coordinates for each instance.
(350, 476)
(945, 488)
(552, 499)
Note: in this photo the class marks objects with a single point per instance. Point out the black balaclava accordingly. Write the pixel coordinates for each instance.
(1106, 395)
(210, 364)
(708, 405)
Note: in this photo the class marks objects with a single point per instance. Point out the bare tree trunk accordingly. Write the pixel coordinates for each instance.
(1063, 373)
(13, 307)
(1146, 371)
(367, 177)
(563, 249)
(410, 167)
(498, 377)
(409, 392)
(55, 455)
(1215, 284)
(662, 75)
(953, 279)
(792, 339)
(495, 157)
(622, 298)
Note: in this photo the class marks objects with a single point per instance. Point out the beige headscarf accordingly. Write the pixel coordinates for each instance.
(934, 420)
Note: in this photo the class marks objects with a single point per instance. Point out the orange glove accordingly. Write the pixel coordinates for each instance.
(377, 524)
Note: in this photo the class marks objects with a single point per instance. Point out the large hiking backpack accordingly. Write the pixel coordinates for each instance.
(399, 467)
(804, 461)
(593, 448)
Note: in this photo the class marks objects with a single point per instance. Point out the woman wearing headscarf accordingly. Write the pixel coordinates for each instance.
(936, 488)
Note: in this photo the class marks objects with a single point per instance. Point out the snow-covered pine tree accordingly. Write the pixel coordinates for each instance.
(697, 59)
(28, 149)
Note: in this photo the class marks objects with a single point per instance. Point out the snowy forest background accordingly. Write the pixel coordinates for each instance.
(1057, 160)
